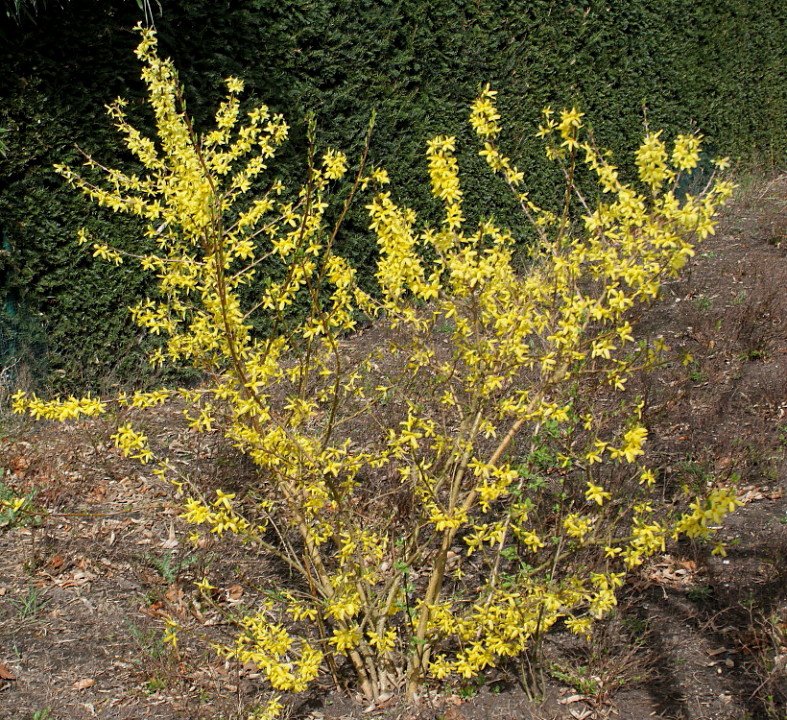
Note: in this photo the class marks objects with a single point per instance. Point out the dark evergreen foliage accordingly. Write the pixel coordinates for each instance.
(718, 65)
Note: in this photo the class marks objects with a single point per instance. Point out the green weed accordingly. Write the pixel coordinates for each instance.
(31, 603)
(155, 684)
(695, 373)
(149, 642)
(16, 511)
(578, 678)
(700, 593)
(169, 568)
(703, 303)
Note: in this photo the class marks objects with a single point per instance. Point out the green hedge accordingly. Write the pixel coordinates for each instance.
(718, 65)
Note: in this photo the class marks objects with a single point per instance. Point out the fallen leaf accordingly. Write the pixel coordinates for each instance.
(581, 714)
(452, 714)
(78, 577)
(156, 610)
(174, 595)
(98, 493)
(83, 684)
(385, 698)
(572, 699)
(198, 616)
(5, 673)
(172, 540)
(19, 464)
(751, 495)
(234, 593)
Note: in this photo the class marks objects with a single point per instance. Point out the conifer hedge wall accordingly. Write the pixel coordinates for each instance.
(719, 65)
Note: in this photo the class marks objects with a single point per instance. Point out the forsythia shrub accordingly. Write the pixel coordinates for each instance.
(512, 492)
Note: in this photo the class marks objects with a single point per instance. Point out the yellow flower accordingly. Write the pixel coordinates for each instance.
(382, 643)
(597, 494)
(204, 586)
(234, 85)
(647, 477)
(345, 639)
(580, 626)
(577, 526)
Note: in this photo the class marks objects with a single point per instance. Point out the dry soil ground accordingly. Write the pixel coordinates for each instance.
(83, 594)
